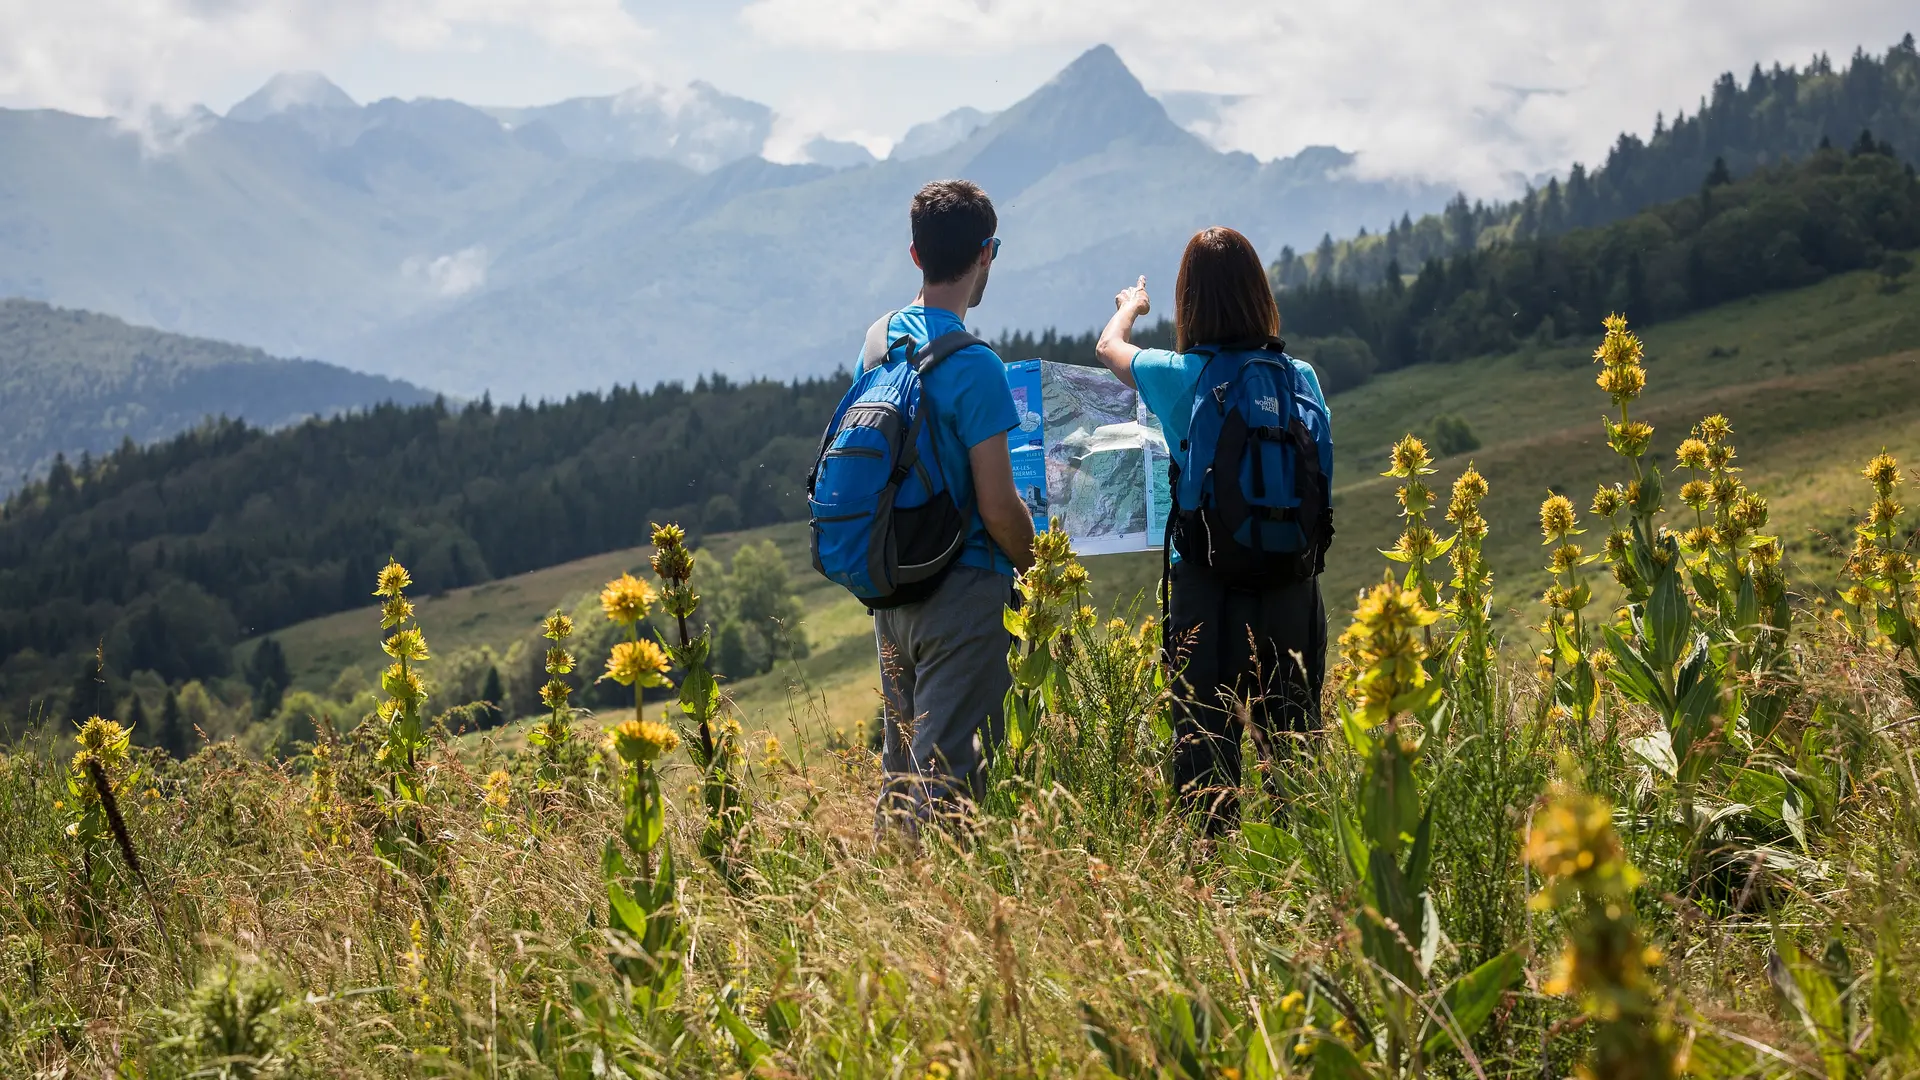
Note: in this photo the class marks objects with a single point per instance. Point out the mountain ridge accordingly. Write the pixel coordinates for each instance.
(438, 242)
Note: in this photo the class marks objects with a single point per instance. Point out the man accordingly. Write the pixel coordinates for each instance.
(943, 660)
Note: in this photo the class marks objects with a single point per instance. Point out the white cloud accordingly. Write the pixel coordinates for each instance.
(451, 275)
(1480, 95)
(122, 57)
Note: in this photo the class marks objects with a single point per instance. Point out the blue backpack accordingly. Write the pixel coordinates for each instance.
(1255, 502)
(885, 524)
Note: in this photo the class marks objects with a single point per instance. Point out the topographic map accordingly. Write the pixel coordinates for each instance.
(1099, 463)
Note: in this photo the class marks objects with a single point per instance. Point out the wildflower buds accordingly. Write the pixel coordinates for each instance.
(1620, 354)
(671, 560)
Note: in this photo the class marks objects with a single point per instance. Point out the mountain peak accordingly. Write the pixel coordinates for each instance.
(292, 90)
(1092, 104)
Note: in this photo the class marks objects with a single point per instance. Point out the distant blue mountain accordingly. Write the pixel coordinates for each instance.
(627, 239)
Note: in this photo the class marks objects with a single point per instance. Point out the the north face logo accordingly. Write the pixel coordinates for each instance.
(1269, 404)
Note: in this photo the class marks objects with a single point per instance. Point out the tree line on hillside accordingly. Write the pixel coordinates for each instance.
(1781, 227)
(1777, 115)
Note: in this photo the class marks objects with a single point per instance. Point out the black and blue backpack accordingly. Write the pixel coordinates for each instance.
(885, 524)
(1255, 503)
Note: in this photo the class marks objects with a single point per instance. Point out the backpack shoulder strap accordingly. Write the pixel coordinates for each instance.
(942, 347)
(877, 347)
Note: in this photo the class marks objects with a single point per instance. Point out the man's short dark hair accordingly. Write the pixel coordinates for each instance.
(951, 220)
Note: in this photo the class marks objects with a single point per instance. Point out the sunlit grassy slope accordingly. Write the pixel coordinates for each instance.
(1815, 381)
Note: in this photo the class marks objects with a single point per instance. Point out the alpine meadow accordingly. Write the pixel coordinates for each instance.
(459, 739)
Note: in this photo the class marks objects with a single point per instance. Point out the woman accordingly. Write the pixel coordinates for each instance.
(1251, 649)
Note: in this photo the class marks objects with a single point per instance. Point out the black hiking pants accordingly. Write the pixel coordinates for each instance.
(1251, 659)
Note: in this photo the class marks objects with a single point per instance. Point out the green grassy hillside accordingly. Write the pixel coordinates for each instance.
(1815, 381)
(74, 381)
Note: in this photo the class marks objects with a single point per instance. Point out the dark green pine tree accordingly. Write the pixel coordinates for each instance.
(137, 723)
(493, 693)
(172, 733)
(268, 675)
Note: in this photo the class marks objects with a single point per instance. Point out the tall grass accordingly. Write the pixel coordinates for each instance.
(1520, 858)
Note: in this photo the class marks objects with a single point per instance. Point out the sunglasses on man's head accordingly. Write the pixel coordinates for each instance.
(995, 241)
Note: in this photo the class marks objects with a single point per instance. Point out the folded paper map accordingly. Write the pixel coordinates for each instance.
(1088, 455)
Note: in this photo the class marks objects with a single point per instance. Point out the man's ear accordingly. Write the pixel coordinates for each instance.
(914, 252)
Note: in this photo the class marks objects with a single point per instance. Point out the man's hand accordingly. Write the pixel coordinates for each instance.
(1134, 297)
(1001, 509)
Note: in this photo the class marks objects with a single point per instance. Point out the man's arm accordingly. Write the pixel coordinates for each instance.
(1113, 349)
(1002, 511)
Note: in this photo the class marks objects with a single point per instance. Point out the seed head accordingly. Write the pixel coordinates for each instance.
(671, 560)
(626, 599)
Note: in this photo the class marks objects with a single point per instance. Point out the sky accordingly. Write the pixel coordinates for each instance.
(1480, 95)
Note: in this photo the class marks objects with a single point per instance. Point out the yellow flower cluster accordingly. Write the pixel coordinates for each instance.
(638, 662)
(626, 600)
(1557, 518)
(498, 790)
(673, 564)
(1620, 355)
(640, 742)
(104, 741)
(1876, 565)
(1384, 652)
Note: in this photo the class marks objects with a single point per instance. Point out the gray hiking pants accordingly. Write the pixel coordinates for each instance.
(944, 682)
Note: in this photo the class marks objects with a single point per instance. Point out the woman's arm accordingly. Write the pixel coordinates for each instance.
(1114, 350)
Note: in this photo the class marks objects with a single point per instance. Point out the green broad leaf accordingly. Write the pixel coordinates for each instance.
(1261, 1061)
(1807, 994)
(1033, 669)
(1430, 933)
(1359, 739)
(1335, 1060)
(1631, 673)
(1650, 492)
(1566, 650)
(1911, 684)
(1471, 999)
(1764, 792)
(751, 1044)
(1893, 1028)
(1420, 859)
(1015, 621)
(1656, 749)
(626, 914)
(1389, 800)
(1746, 609)
(1388, 947)
(1669, 621)
(1894, 624)
(1417, 699)
(1582, 594)
(1353, 847)
(1267, 852)
(1791, 817)
(1396, 555)
(1713, 1056)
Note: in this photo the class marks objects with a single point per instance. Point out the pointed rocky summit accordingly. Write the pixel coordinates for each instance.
(291, 90)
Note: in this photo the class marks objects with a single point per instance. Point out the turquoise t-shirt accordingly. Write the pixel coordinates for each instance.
(1166, 381)
(971, 403)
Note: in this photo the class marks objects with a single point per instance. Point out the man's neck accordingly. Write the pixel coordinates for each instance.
(950, 296)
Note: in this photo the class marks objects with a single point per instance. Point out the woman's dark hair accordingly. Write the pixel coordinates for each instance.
(1222, 296)
(951, 220)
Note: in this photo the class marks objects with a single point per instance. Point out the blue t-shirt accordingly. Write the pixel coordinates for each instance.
(971, 403)
(1166, 381)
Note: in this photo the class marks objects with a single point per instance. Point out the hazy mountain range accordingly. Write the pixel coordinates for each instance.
(74, 382)
(637, 237)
